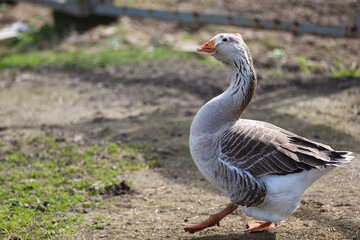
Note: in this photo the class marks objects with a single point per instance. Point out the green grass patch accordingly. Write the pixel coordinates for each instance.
(32, 48)
(305, 64)
(82, 58)
(40, 179)
(275, 72)
(344, 71)
(42, 46)
(34, 37)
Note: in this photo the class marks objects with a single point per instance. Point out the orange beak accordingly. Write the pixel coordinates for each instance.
(208, 47)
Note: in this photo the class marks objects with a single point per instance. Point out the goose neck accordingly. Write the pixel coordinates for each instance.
(242, 86)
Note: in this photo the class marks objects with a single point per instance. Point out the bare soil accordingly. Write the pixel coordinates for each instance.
(154, 102)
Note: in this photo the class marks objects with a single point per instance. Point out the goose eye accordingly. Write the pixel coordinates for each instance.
(224, 40)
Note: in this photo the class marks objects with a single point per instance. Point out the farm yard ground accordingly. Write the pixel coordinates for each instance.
(129, 120)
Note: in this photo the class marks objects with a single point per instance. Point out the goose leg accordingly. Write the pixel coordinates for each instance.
(213, 220)
(260, 226)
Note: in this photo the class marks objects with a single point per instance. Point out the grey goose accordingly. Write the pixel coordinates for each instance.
(262, 168)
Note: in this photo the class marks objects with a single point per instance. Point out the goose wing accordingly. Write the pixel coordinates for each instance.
(261, 149)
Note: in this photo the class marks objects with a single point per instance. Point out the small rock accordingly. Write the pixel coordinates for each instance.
(77, 138)
(108, 31)
(100, 85)
(15, 203)
(26, 205)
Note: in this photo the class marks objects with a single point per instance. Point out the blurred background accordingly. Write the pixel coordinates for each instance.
(95, 113)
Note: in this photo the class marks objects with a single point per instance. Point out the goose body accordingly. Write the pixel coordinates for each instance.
(267, 197)
(262, 168)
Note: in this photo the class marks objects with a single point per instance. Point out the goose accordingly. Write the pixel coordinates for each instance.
(262, 168)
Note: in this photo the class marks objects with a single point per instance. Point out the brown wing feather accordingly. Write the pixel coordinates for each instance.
(262, 148)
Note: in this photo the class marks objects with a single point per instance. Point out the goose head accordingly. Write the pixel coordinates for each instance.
(226, 48)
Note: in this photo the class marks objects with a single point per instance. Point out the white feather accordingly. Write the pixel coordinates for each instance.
(284, 194)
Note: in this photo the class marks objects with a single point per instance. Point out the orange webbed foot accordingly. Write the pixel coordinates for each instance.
(260, 226)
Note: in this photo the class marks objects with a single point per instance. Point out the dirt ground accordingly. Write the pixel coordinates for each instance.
(155, 101)
(331, 12)
(156, 106)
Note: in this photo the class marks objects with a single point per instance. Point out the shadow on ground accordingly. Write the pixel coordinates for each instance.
(244, 236)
